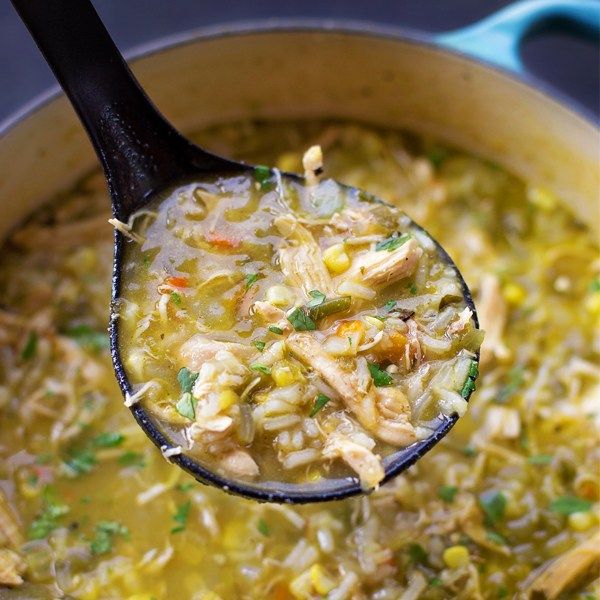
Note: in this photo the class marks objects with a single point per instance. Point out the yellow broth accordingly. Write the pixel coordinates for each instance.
(282, 329)
(506, 504)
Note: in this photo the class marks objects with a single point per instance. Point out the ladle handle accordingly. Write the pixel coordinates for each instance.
(137, 147)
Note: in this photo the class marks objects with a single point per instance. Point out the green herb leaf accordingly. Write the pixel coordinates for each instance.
(437, 155)
(251, 279)
(301, 321)
(502, 592)
(474, 369)
(109, 439)
(262, 174)
(392, 243)
(495, 538)
(320, 402)
(80, 462)
(435, 582)
(181, 516)
(277, 330)
(389, 305)
(186, 406)
(493, 505)
(106, 531)
(259, 345)
(567, 505)
(48, 520)
(263, 527)
(132, 459)
(417, 554)
(88, 338)
(468, 388)
(30, 348)
(540, 459)
(469, 451)
(380, 377)
(185, 487)
(261, 368)
(515, 381)
(186, 379)
(412, 288)
(595, 285)
(447, 492)
(317, 298)
(176, 298)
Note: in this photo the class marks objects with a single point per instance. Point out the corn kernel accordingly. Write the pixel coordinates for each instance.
(322, 583)
(227, 398)
(280, 295)
(580, 521)
(336, 259)
(541, 198)
(456, 556)
(514, 294)
(301, 586)
(283, 373)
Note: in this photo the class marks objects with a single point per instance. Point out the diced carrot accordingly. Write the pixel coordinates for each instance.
(280, 592)
(391, 347)
(177, 281)
(221, 241)
(350, 327)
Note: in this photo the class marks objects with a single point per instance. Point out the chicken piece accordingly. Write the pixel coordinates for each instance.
(459, 324)
(567, 571)
(200, 349)
(493, 314)
(383, 267)
(272, 315)
(11, 533)
(12, 566)
(360, 398)
(366, 465)
(394, 428)
(301, 260)
(240, 464)
(312, 161)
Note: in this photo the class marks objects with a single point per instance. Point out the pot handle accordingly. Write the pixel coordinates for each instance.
(497, 39)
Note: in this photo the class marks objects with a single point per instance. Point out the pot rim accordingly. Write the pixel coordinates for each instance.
(293, 25)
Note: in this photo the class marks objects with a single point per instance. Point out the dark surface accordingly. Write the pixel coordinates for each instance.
(563, 60)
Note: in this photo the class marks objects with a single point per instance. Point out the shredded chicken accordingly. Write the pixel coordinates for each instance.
(567, 570)
(359, 399)
(240, 464)
(384, 267)
(271, 314)
(200, 349)
(493, 313)
(301, 260)
(126, 230)
(367, 465)
(461, 322)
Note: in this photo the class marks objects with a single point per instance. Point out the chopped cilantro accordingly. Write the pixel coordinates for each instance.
(132, 459)
(389, 305)
(493, 505)
(47, 520)
(515, 381)
(251, 279)
(181, 516)
(567, 505)
(259, 345)
(317, 298)
(392, 243)
(185, 487)
(595, 285)
(447, 492)
(495, 538)
(301, 321)
(437, 155)
(263, 527)
(261, 368)
(474, 369)
(43, 459)
(412, 289)
(186, 379)
(277, 330)
(186, 406)
(380, 377)
(106, 531)
(108, 439)
(435, 582)
(468, 388)
(30, 348)
(88, 338)
(262, 174)
(80, 462)
(417, 554)
(469, 451)
(320, 402)
(176, 298)
(540, 459)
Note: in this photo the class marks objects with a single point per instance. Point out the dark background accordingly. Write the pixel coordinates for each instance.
(558, 56)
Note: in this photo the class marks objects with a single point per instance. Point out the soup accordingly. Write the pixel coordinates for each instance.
(506, 504)
(280, 328)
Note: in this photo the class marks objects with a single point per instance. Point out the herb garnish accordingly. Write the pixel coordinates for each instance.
(277, 330)
(80, 462)
(515, 381)
(317, 298)
(88, 338)
(261, 368)
(417, 554)
(493, 505)
(106, 531)
(262, 174)
(186, 379)
(380, 377)
(186, 406)
(263, 527)
(392, 243)
(251, 279)
(540, 459)
(259, 345)
(30, 348)
(447, 492)
(108, 439)
(567, 505)
(47, 520)
(181, 516)
(176, 298)
(495, 538)
(320, 402)
(132, 459)
(301, 321)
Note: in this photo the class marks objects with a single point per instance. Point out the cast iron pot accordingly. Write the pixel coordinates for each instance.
(467, 87)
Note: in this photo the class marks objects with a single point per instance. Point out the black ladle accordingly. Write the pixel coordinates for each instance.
(143, 155)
